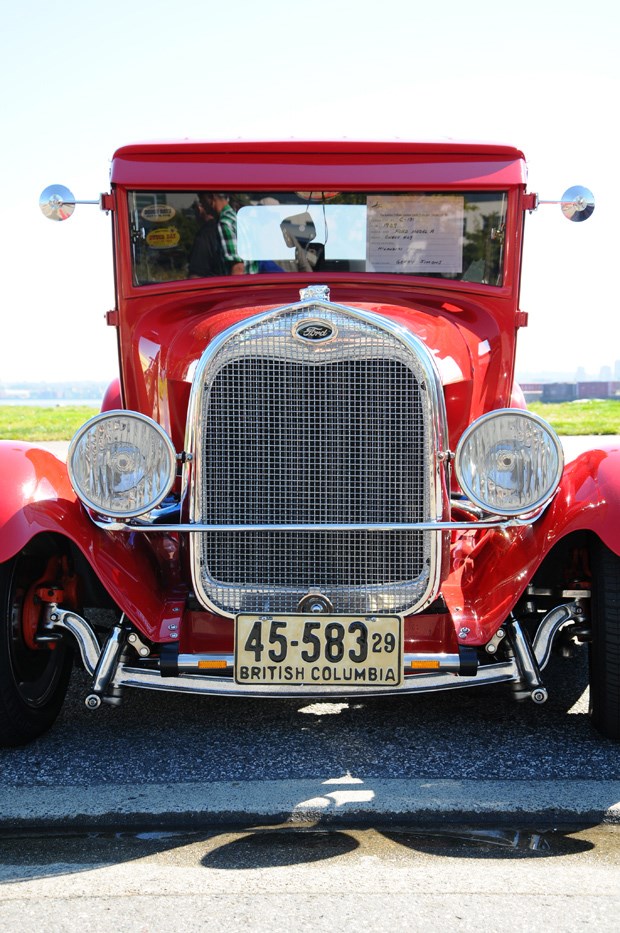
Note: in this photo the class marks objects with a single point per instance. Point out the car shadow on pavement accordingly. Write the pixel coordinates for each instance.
(29, 857)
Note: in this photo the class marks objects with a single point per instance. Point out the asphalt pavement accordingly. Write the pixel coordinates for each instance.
(167, 760)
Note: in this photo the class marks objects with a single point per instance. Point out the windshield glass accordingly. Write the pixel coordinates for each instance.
(186, 234)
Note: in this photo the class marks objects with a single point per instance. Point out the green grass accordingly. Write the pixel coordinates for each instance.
(33, 423)
(596, 416)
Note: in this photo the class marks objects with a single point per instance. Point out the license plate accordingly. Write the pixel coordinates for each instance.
(345, 651)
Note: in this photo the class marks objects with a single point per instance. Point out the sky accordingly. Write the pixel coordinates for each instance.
(81, 79)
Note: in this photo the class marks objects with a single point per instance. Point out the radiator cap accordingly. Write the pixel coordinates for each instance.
(314, 293)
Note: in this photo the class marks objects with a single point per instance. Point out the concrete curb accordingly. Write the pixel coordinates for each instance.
(345, 800)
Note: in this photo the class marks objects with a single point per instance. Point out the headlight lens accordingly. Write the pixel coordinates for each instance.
(121, 464)
(509, 462)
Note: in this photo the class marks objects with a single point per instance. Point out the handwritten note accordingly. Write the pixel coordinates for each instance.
(415, 234)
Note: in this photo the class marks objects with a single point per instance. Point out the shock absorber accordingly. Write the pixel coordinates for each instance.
(106, 668)
(531, 683)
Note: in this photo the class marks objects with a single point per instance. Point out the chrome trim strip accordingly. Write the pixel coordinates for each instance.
(189, 663)
(127, 676)
(405, 526)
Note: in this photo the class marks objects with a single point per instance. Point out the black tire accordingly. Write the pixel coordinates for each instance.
(605, 647)
(33, 683)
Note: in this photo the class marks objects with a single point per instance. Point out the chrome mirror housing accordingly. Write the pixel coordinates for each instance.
(58, 203)
(577, 203)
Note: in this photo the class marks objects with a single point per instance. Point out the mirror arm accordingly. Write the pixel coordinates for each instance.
(577, 203)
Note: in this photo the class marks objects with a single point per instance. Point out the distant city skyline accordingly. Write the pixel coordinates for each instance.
(606, 373)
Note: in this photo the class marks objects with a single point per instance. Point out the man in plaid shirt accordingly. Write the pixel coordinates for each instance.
(227, 223)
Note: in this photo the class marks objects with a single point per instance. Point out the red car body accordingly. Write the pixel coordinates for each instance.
(505, 590)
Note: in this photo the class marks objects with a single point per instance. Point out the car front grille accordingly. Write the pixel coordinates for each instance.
(301, 432)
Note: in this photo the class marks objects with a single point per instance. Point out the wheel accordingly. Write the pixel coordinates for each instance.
(33, 681)
(605, 647)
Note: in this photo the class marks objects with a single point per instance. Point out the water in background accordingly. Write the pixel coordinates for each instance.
(51, 402)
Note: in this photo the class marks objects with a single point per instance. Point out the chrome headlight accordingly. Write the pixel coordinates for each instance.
(509, 462)
(121, 464)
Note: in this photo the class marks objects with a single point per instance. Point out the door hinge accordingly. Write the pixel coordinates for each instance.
(521, 318)
(111, 318)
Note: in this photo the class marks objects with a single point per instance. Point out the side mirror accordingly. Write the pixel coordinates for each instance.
(577, 203)
(58, 203)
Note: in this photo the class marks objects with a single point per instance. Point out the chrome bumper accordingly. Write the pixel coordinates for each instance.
(110, 668)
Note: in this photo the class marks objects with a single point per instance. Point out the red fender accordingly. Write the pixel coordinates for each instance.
(517, 398)
(112, 399)
(488, 582)
(38, 497)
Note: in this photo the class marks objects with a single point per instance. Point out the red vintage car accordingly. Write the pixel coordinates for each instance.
(312, 478)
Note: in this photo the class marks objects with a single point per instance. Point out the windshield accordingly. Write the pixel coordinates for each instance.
(186, 234)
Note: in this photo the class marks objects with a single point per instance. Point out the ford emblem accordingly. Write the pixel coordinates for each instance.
(316, 330)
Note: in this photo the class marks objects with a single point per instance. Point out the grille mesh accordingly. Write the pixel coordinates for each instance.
(292, 432)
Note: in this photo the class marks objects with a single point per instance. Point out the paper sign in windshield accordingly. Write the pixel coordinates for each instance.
(417, 234)
(158, 213)
(163, 238)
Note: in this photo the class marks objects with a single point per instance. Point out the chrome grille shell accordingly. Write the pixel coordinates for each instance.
(288, 431)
